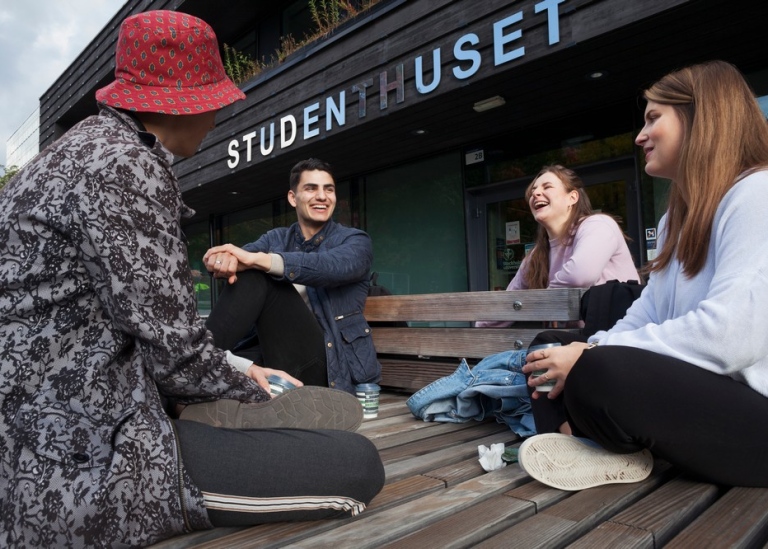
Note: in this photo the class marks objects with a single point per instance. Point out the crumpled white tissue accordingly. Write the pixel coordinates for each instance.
(490, 458)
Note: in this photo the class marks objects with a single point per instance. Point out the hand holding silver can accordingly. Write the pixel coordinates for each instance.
(278, 385)
(549, 385)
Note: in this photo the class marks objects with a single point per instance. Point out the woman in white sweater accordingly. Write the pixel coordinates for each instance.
(684, 375)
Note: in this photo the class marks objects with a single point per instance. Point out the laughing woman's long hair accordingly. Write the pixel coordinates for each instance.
(537, 275)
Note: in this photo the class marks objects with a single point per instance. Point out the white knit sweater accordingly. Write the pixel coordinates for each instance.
(718, 319)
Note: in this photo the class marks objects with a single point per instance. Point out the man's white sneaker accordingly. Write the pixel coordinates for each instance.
(567, 463)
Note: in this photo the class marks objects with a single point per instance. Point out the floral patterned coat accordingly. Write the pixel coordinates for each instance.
(97, 321)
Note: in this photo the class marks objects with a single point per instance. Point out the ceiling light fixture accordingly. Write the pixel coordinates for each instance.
(597, 75)
(577, 140)
(488, 104)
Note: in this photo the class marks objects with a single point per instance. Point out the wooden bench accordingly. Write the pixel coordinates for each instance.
(440, 331)
(437, 495)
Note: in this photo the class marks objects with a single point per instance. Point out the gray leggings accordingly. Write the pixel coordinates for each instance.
(626, 399)
(254, 476)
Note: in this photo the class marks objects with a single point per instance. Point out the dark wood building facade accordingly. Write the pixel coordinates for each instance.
(390, 99)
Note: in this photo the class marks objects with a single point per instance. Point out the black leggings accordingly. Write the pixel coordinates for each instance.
(254, 476)
(549, 414)
(287, 334)
(626, 399)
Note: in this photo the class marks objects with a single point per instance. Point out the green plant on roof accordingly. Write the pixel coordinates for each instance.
(327, 15)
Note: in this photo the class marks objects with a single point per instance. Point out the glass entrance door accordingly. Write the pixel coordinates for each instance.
(502, 229)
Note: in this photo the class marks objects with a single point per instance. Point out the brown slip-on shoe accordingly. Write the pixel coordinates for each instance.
(301, 408)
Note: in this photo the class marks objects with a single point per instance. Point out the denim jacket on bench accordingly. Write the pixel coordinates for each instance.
(495, 387)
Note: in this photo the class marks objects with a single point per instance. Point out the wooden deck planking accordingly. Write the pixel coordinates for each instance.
(392, 524)
(659, 516)
(406, 489)
(437, 495)
(539, 495)
(738, 519)
(468, 527)
(456, 473)
(412, 432)
(453, 439)
(569, 519)
(447, 456)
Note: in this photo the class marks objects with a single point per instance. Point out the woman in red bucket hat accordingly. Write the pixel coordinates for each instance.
(99, 330)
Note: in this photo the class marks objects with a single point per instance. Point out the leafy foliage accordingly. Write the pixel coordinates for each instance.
(9, 172)
(327, 16)
(239, 66)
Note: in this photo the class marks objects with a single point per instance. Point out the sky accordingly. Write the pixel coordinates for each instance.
(39, 39)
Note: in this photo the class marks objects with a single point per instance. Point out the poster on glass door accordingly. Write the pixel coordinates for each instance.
(513, 232)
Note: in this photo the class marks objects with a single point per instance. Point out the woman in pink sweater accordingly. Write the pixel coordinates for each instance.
(575, 247)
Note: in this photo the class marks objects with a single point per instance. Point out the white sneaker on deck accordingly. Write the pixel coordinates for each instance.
(567, 463)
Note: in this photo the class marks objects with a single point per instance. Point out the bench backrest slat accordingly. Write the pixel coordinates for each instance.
(451, 342)
(429, 352)
(559, 304)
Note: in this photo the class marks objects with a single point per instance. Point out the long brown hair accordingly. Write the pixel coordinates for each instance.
(537, 273)
(724, 135)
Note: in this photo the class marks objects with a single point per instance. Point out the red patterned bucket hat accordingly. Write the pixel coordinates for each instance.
(168, 62)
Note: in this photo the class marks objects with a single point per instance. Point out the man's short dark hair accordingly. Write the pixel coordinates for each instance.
(308, 165)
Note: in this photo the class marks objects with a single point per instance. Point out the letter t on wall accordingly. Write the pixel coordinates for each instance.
(553, 18)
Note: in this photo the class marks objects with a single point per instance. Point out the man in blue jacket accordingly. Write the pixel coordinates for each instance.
(295, 296)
